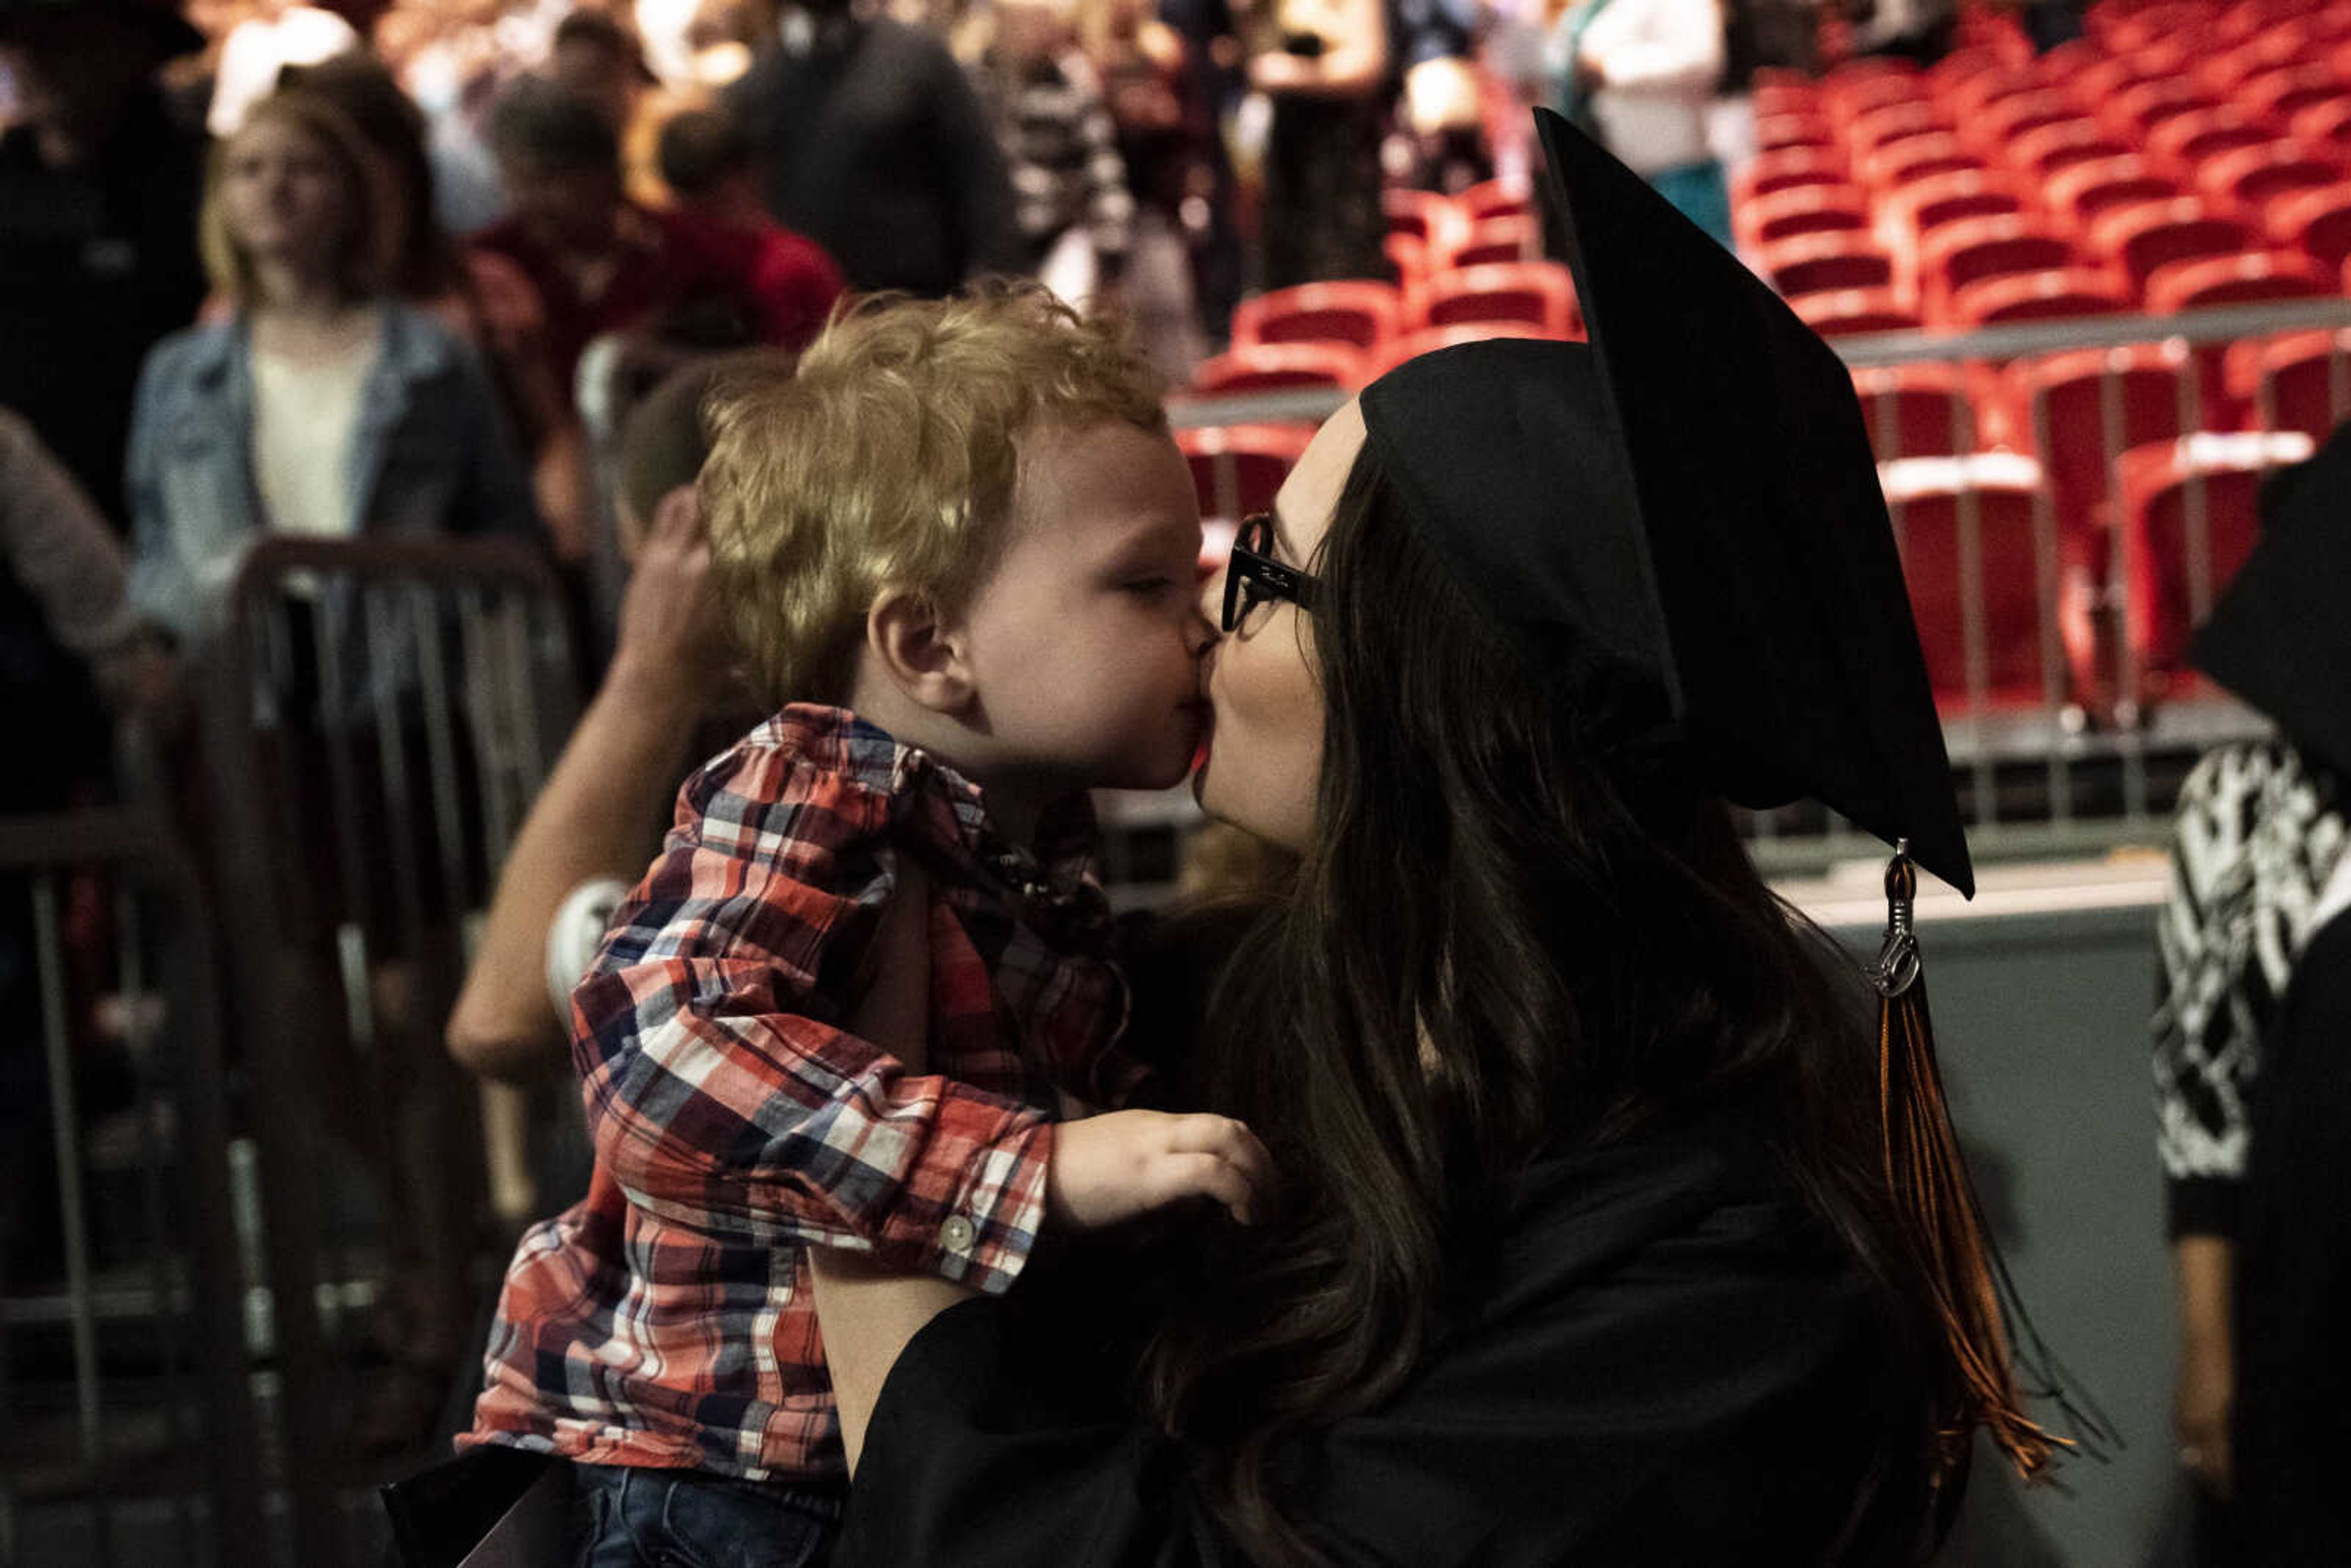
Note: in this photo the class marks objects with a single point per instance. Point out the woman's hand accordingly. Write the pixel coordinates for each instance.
(1109, 1169)
(2202, 1405)
(2204, 1398)
(671, 638)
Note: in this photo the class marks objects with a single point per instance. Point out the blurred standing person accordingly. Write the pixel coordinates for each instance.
(1641, 74)
(1070, 200)
(2252, 1053)
(98, 189)
(599, 262)
(1325, 64)
(479, 295)
(1440, 111)
(876, 146)
(595, 57)
(707, 162)
(1165, 127)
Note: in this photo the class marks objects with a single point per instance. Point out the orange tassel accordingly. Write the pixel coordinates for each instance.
(1927, 1180)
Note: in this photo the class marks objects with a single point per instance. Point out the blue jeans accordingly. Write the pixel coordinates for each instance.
(690, 1519)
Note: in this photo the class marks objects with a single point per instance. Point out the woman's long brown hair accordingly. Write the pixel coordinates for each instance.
(1507, 931)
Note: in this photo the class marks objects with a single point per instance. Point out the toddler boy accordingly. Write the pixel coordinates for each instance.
(962, 539)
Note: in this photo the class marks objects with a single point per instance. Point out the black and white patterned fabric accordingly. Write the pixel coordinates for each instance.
(2258, 835)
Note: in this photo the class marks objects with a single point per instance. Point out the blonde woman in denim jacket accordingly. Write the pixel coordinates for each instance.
(322, 407)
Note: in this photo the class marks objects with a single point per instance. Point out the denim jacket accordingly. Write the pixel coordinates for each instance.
(430, 454)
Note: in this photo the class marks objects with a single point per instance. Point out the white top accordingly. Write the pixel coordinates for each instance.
(1663, 60)
(303, 415)
(258, 49)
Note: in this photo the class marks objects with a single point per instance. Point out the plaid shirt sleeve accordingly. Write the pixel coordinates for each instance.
(722, 1095)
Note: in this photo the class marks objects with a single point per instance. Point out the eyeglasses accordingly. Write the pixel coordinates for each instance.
(1255, 578)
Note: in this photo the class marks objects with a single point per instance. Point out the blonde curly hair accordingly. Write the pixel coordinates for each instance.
(887, 461)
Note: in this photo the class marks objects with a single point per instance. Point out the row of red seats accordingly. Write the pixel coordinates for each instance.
(2200, 169)
(1467, 266)
(1989, 528)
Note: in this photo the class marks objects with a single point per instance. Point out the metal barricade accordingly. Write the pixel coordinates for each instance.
(128, 1428)
(2058, 554)
(381, 714)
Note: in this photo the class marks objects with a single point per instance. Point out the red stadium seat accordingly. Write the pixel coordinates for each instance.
(2326, 125)
(2276, 45)
(2184, 141)
(1850, 102)
(2082, 193)
(1495, 199)
(2316, 223)
(1853, 312)
(1971, 96)
(1237, 468)
(1963, 253)
(2057, 67)
(2188, 521)
(1777, 132)
(1355, 310)
(1787, 92)
(1788, 169)
(1412, 345)
(1429, 217)
(1891, 167)
(1807, 210)
(2295, 380)
(1271, 367)
(1963, 72)
(2285, 91)
(2152, 27)
(1923, 206)
(1540, 294)
(1822, 264)
(2042, 153)
(2004, 119)
(2061, 294)
(2135, 112)
(2248, 277)
(1497, 239)
(1889, 123)
(2095, 83)
(1915, 411)
(1973, 523)
(2249, 180)
(2144, 235)
(2067, 398)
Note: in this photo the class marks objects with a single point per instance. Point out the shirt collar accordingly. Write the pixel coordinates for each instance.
(947, 809)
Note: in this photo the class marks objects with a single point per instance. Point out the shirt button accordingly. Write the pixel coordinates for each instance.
(956, 1235)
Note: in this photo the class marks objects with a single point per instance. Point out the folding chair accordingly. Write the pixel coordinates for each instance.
(2081, 193)
(1959, 253)
(2249, 181)
(2142, 236)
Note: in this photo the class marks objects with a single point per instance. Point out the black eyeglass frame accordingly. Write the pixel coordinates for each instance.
(1252, 577)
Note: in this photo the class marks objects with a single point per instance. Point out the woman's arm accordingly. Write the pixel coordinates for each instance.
(599, 813)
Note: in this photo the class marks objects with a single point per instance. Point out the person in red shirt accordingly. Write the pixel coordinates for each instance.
(707, 160)
(600, 263)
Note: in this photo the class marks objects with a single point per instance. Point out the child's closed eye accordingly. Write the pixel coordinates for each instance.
(1148, 585)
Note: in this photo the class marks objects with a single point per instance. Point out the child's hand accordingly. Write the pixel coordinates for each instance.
(1114, 1167)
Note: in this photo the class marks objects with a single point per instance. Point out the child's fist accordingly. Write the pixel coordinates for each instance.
(1114, 1167)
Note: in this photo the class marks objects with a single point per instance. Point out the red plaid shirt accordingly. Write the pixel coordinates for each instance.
(665, 1320)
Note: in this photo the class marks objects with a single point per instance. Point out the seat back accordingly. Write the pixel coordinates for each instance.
(2189, 517)
(1237, 468)
(1821, 264)
(1966, 530)
(2296, 380)
(2054, 295)
(1851, 311)
(1518, 238)
(1915, 410)
(1359, 311)
(2141, 237)
(1271, 367)
(1540, 294)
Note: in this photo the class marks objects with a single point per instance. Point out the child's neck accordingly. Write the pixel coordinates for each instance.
(1016, 800)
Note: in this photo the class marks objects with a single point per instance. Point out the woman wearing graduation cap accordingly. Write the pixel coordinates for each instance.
(1606, 1230)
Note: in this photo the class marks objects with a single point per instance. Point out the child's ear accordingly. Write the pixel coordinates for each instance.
(919, 652)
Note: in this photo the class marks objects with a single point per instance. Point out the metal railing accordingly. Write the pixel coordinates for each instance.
(127, 1396)
(382, 713)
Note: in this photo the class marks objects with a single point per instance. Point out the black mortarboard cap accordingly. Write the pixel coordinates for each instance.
(2278, 637)
(1683, 517)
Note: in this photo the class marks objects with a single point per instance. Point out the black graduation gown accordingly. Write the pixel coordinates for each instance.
(1672, 1364)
